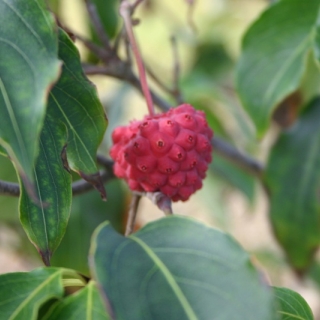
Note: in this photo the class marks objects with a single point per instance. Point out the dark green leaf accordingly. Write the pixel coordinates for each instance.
(293, 180)
(291, 306)
(28, 67)
(85, 304)
(74, 101)
(273, 57)
(45, 222)
(177, 268)
(22, 293)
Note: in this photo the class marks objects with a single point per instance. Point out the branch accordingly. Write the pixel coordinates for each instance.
(242, 160)
(9, 188)
(125, 12)
(78, 187)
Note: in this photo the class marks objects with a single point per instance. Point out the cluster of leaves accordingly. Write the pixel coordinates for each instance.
(52, 123)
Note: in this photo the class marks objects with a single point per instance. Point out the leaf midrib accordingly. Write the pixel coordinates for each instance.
(299, 49)
(170, 279)
(33, 294)
(74, 132)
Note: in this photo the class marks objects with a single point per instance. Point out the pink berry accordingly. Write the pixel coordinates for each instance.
(168, 152)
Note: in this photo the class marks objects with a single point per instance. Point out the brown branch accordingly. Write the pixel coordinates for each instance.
(240, 159)
(191, 5)
(125, 12)
(9, 188)
(159, 82)
(78, 187)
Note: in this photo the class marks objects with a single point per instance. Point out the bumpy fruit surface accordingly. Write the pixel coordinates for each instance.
(168, 152)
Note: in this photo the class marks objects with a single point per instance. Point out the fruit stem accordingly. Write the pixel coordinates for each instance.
(125, 12)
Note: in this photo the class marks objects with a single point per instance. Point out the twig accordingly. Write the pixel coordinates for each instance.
(9, 188)
(175, 90)
(162, 201)
(242, 160)
(191, 4)
(135, 5)
(133, 210)
(101, 53)
(160, 83)
(125, 12)
(78, 187)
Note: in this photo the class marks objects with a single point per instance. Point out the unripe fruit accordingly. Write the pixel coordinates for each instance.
(168, 152)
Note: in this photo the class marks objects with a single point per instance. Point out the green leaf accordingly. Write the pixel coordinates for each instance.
(291, 306)
(273, 57)
(22, 293)
(85, 304)
(74, 101)
(293, 180)
(28, 67)
(45, 222)
(177, 268)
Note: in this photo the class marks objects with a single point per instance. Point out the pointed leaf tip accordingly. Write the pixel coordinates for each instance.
(96, 181)
(46, 257)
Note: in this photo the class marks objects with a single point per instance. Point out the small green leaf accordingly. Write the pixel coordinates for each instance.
(45, 222)
(28, 67)
(177, 268)
(293, 180)
(273, 57)
(291, 306)
(74, 101)
(85, 304)
(23, 293)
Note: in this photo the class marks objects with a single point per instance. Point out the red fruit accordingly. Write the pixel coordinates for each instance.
(168, 152)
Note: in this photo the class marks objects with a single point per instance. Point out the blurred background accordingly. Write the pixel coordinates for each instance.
(208, 40)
